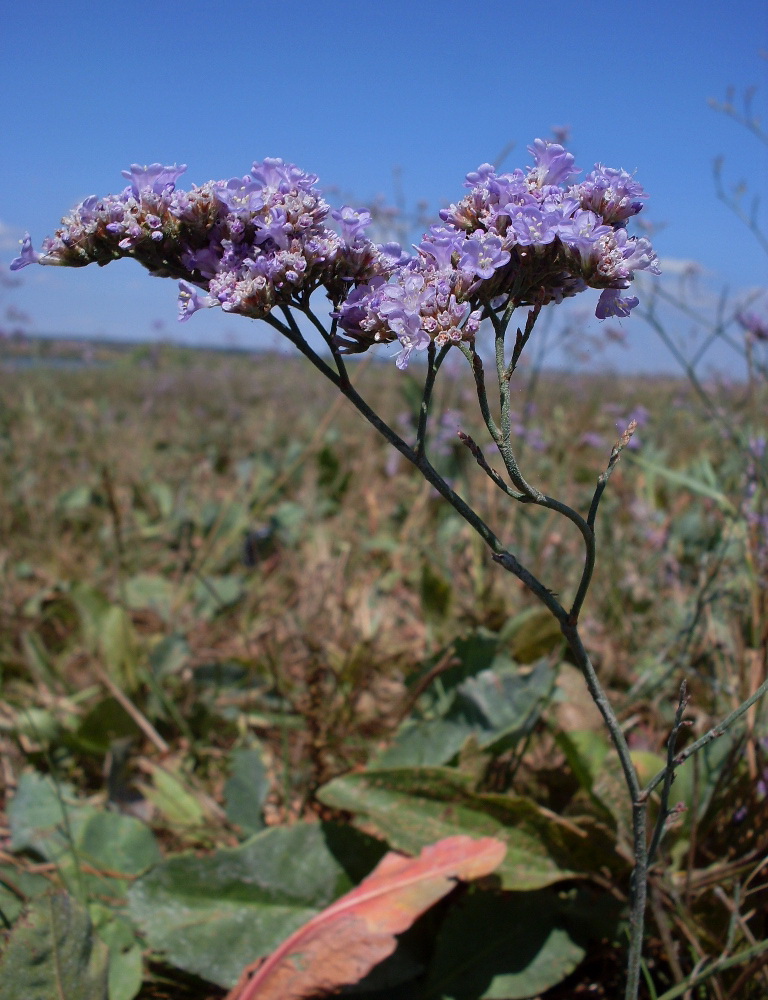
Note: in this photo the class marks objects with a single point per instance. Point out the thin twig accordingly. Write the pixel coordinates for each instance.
(669, 777)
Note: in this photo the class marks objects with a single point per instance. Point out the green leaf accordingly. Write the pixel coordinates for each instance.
(585, 751)
(290, 522)
(415, 806)
(71, 833)
(150, 590)
(37, 724)
(53, 954)
(109, 633)
(106, 722)
(74, 500)
(169, 656)
(126, 973)
(425, 743)
(506, 700)
(214, 915)
(118, 645)
(496, 706)
(91, 606)
(501, 947)
(703, 485)
(169, 795)
(162, 494)
(126, 959)
(246, 790)
(17, 887)
(468, 656)
(38, 659)
(42, 818)
(213, 594)
(112, 842)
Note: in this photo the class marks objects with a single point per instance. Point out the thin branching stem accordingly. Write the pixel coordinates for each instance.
(291, 331)
(478, 373)
(639, 888)
(714, 733)
(434, 361)
(669, 777)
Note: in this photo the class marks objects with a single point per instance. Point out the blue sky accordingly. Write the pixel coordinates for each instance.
(350, 90)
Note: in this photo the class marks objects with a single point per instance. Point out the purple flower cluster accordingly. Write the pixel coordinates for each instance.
(259, 241)
(526, 236)
(247, 244)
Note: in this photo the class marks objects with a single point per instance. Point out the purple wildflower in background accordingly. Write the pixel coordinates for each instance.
(591, 439)
(753, 323)
(260, 241)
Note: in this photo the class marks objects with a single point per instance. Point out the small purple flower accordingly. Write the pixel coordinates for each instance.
(416, 341)
(157, 178)
(353, 221)
(440, 244)
(591, 439)
(483, 254)
(611, 303)
(530, 225)
(241, 194)
(275, 227)
(582, 231)
(755, 324)
(554, 165)
(280, 177)
(27, 255)
(190, 300)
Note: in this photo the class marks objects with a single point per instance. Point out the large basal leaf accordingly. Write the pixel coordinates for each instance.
(92, 848)
(497, 706)
(340, 945)
(214, 915)
(506, 701)
(53, 954)
(412, 807)
(469, 656)
(425, 743)
(501, 947)
(43, 815)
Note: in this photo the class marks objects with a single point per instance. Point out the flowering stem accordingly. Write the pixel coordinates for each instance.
(291, 332)
(504, 374)
(639, 885)
(434, 360)
(568, 620)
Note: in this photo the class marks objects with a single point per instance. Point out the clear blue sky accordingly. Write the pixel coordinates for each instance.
(349, 90)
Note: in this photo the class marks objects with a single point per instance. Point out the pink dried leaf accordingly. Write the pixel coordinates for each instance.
(343, 943)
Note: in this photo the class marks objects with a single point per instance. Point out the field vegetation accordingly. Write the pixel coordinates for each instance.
(246, 649)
